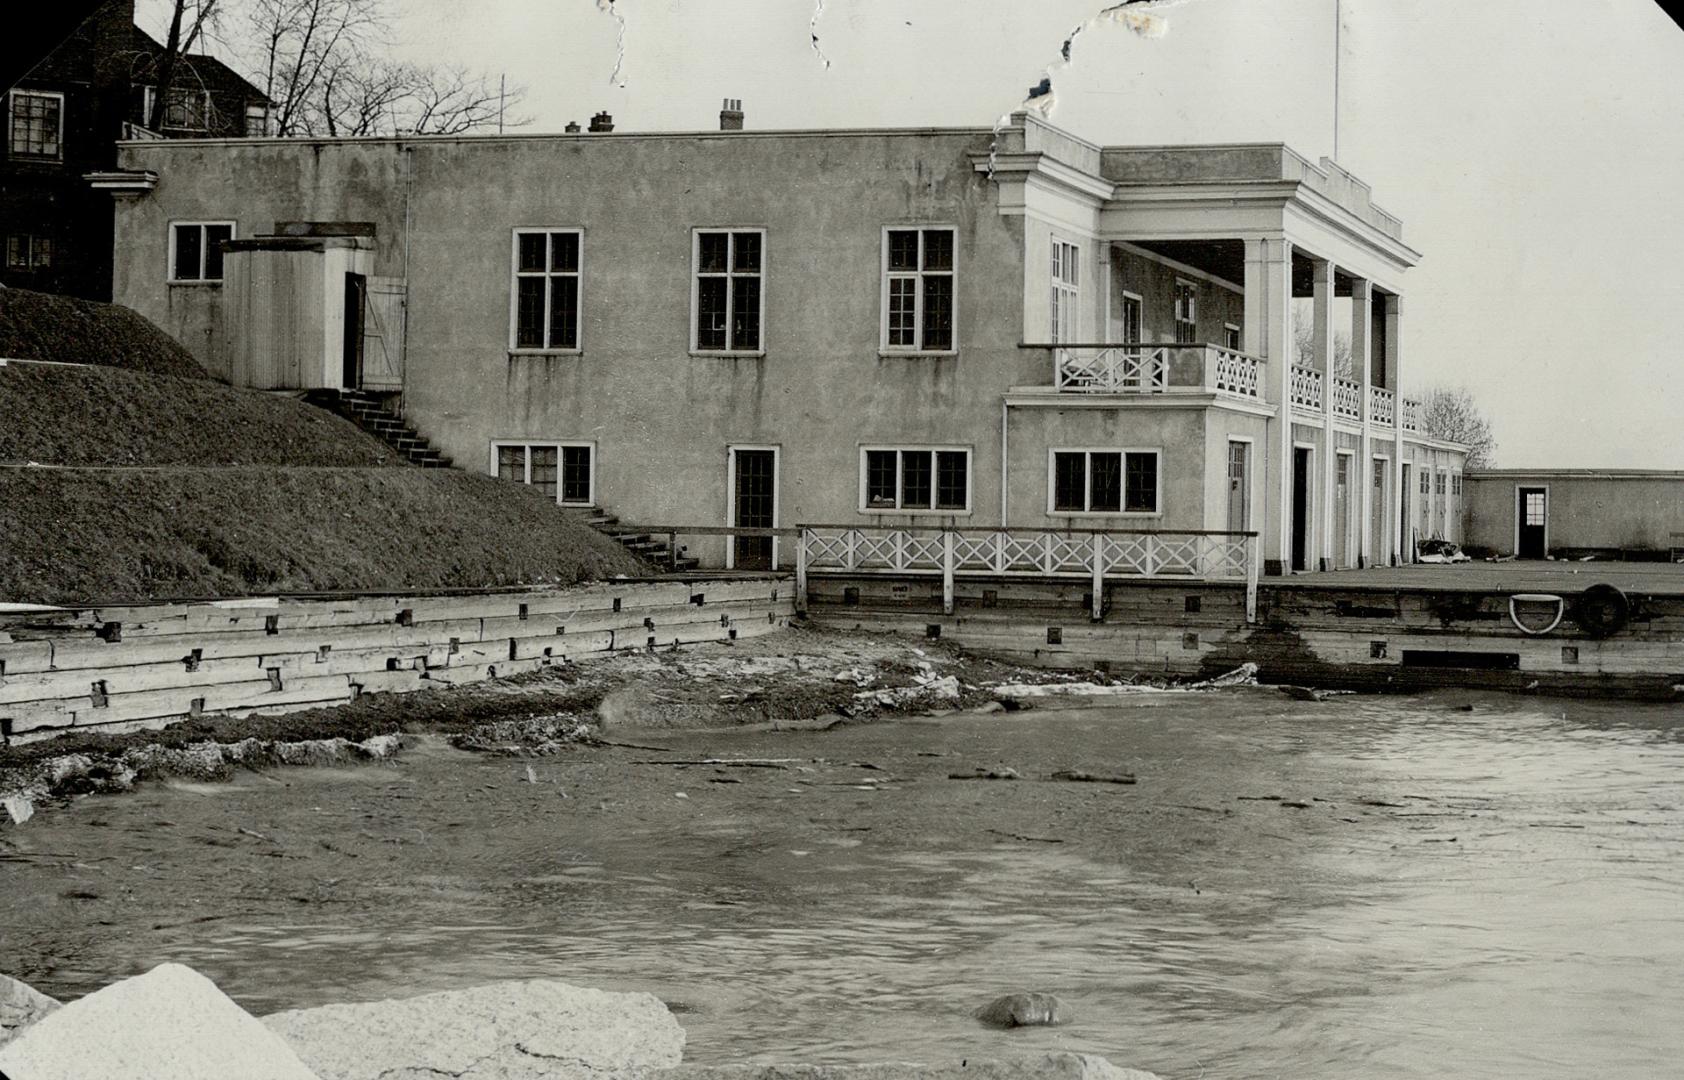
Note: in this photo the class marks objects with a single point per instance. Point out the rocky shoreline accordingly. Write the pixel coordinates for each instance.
(173, 1022)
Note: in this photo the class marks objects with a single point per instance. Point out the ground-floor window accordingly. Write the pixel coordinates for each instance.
(28, 252)
(915, 478)
(564, 471)
(1104, 482)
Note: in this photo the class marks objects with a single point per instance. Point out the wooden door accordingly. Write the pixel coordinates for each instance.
(753, 506)
(1377, 525)
(1239, 487)
(1342, 510)
(1531, 522)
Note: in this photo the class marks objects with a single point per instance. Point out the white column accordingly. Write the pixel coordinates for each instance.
(1361, 324)
(1107, 301)
(1322, 360)
(1394, 381)
(1268, 334)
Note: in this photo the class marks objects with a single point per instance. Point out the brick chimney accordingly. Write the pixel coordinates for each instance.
(602, 122)
(572, 127)
(731, 116)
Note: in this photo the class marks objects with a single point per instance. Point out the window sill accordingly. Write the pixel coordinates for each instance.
(916, 354)
(195, 282)
(881, 511)
(1107, 514)
(1067, 514)
(517, 354)
(727, 353)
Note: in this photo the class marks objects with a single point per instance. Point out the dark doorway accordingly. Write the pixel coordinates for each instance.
(1531, 522)
(1300, 508)
(356, 305)
(754, 506)
(1406, 550)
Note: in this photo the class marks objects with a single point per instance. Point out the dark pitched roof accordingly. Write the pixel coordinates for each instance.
(210, 70)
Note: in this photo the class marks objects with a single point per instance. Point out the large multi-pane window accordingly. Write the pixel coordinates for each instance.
(915, 478)
(562, 471)
(546, 289)
(35, 125)
(729, 298)
(918, 271)
(196, 249)
(1186, 311)
(1066, 291)
(1104, 482)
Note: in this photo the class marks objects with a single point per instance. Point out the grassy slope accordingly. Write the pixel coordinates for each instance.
(75, 536)
(36, 326)
(101, 416)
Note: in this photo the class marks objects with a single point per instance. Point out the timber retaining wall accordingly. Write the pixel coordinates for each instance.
(116, 668)
(1367, 638)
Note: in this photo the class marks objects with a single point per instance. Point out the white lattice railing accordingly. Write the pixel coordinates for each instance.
(1347, 398)
(1236, 373)
(1144, 368)
(1306, 388)
(1382, 406)
(1113, 369)
(1098, 555)
(1411, 415)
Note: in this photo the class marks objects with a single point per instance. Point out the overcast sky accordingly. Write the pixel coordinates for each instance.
(1535, 150)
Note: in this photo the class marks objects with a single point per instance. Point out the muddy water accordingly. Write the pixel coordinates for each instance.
(1484, 893)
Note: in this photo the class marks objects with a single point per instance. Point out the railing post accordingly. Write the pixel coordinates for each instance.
(1098, 556)
(672, 550)
(801, 572)
(947, 544)
(1252, 568)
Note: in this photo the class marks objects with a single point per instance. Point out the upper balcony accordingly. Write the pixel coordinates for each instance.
(1139, 367)
(1308, 389)
(1162, 368)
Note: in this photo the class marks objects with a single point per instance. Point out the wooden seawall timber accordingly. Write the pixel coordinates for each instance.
(118, 668)
(1337, 633)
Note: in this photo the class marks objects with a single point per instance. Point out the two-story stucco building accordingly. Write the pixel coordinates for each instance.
(961, 326)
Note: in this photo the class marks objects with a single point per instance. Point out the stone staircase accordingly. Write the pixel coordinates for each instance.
(653, 548)
(369, 412)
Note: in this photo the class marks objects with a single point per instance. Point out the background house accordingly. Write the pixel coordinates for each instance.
(63, 121)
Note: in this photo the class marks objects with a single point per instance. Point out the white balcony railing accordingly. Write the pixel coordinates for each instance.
(1145, 368)
(1382, 406)
(1347, 398)
(1306, 388)
(1112, 369)
(1411, 415)
(1236, 373)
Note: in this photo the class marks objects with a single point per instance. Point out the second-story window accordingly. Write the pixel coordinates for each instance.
(1066, 291)
(35, 125)
(546, 289)
(729, 300)
(196, 249)
(187, 109)
(1186, 311)
(918, 292)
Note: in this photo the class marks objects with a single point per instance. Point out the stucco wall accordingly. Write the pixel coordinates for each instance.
(661, 418)
(1154, 283)
(1177, 435)
(1598, 510)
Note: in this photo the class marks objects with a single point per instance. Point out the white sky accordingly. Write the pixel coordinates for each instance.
(1535, 150)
